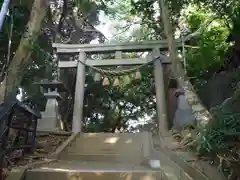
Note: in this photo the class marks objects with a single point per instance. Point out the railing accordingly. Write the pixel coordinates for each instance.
(18, 124)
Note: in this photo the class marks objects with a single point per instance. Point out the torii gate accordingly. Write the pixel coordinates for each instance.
(83, 49)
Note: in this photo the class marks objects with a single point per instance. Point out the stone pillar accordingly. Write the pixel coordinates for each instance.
(79, 95)
(50, 117)
(160, 94)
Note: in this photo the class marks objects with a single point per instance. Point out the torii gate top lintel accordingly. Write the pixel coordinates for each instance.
(112, 47)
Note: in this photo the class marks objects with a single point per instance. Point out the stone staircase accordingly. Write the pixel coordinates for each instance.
(108, 156)
(66, 170)
(99, 156)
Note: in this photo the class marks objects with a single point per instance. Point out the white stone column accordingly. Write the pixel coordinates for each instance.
(79, 95)
(160, 94)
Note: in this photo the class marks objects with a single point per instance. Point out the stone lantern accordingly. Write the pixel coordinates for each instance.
(50, 117)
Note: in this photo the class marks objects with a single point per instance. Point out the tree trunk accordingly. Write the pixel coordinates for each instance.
(21, 60)
(3, 12)
(201, 114)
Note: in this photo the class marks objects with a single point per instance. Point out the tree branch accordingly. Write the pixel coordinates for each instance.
(80, 22)
(198, 32)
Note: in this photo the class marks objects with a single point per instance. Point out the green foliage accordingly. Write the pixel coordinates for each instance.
(195, 16)
(225, 127)
(236, 23)
(209, 56)
(108, 107)
(223, 8)
(204, 60)
(202, 63)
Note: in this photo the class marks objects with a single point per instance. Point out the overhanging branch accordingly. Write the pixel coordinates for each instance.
(200, 30)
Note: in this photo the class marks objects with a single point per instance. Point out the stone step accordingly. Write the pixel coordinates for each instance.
(108, 147)
(107, 142)
(102, 158)
(104, 149)
(63, 170)
(124, 175)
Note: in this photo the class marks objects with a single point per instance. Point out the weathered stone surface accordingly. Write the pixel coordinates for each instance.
(184, 114)
(99, 175)
(105, 147)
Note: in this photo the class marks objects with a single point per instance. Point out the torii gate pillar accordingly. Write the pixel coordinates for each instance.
(79, 95)
(160, 94)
